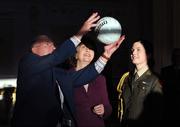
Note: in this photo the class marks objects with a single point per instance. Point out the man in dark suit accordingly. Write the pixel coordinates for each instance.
(39, 81)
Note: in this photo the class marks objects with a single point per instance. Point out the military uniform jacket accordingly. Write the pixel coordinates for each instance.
(142, 99)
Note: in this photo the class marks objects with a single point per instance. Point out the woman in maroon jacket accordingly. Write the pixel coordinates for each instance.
(92, 102)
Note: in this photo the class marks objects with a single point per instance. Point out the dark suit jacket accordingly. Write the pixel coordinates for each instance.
(36, 102)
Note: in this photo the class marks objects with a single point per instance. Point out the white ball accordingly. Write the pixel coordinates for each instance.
(108, 30)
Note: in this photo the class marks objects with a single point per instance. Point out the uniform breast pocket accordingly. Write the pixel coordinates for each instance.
(143, 88)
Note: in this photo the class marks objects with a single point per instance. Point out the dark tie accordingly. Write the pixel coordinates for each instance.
(135, 76)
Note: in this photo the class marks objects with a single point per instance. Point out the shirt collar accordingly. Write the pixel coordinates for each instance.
(142, 70)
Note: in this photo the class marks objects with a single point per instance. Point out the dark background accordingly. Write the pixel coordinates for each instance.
(154, 20)
(20, 21)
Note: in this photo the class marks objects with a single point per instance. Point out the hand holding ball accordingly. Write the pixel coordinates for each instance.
(108, 30)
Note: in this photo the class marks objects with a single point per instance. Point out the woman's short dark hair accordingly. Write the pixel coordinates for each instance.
(148, 46)
(89, 42)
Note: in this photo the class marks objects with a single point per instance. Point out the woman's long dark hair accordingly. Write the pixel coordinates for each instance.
(149, 52)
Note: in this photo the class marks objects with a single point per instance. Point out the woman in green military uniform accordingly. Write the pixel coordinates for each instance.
(140, 92)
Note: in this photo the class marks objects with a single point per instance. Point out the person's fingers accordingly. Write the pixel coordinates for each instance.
(118, 43)
(98, 107)
(93, 25)
(121, 39)
(92, 16)
(94, 19)
(99, 110)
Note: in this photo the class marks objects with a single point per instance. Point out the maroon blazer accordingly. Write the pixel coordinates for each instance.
(85, 101)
